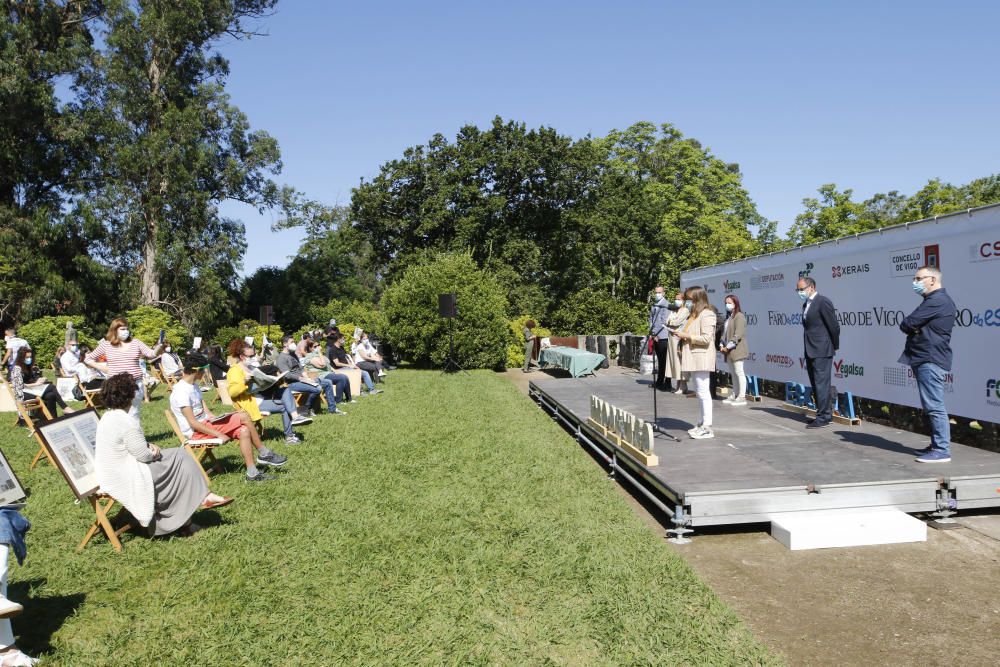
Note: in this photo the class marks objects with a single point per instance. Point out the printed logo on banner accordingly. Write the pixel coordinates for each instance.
(990, 317)
(806, 271)
(751, 319)
(984, 252)
(782, 360)
(776, 318)
(849, 270)
(993, 392)
(902, 376)
(708, 290)
(906, 261)
(731, 285)
(845, 370)
(767, 281)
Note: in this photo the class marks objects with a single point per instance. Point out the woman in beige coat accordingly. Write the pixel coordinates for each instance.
(697, 338)
(734, 347)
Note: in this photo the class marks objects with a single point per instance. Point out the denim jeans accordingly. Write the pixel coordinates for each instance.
(304, 388)
(331, 398)
(930, 384)
(367, 379)
(272, 406)
(342, 385)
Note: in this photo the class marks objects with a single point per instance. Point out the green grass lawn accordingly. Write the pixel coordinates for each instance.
(446, 521)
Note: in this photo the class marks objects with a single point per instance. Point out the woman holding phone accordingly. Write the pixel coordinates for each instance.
(122, 353)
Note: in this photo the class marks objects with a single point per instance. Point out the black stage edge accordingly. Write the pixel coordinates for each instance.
(763, 461)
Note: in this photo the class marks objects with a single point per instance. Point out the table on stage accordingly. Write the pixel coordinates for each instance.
(577, 362)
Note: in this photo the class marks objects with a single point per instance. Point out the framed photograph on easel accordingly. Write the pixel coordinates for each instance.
(71, 440)
(11, 492)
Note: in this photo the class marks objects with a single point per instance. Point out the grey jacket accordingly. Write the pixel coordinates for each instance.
(735, 331)
(289, 364)
(658, 320)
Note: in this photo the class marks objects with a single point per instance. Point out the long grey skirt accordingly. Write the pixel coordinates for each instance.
(179, 488)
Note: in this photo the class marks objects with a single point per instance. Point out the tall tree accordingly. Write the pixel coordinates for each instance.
(172, 147)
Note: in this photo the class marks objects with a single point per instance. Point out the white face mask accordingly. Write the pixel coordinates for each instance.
(253, 362)
(166, 349)
(123, 334)
(72, 348)
(291, 347)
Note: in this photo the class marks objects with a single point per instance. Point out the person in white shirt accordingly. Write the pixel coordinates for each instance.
(198, 423)
(170, 363)
(367, 358)
(72, 364)
(11, 345)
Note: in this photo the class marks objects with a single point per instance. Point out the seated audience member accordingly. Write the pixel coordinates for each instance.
(332, 331)
(320, 367)
(367, 358)
(27, 380)
(300, 349)
(72, 364)
(198, 423)
(240, 378)
(170, 363)
(341, 359)
(13, 528)
(299, 380)
(11, 345)
(161, 488)
(217, 365)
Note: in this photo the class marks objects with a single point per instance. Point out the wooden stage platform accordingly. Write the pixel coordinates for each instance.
(763, 461)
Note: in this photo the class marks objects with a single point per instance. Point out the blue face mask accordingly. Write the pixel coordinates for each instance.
(730, 307)
(678, 303)
(688, 304)
(919, 287)
(27, 361)
(803, 294)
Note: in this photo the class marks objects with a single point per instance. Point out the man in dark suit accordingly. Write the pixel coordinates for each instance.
(821, 334)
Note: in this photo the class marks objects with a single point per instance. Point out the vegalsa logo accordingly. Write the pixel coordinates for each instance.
(731, 285)
(805, 272)
(708, 290)
(849, 270)
(782, 360)
(983, 252)
(845, 370)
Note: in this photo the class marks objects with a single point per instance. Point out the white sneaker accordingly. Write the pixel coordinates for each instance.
(703, 433)
(679, 391)
(692, 431)
(728, 400)
(738, 402)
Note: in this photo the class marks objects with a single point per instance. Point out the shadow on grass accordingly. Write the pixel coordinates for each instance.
(42, 617)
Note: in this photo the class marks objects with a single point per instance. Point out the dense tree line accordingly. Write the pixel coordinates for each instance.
(118, 142)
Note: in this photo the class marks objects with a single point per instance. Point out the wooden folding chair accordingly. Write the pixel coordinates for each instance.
(200, 450)
(24, 410)
(222, 392)
(102, 504)
(89, 395)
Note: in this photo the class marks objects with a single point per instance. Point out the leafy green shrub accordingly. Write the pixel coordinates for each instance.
(417, 331)
(47, 334)
(249, 328)
(515, 350)
(591, 312)
(145, 323)
(365, 315)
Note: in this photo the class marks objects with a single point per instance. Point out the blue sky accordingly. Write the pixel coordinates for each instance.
(874, 96)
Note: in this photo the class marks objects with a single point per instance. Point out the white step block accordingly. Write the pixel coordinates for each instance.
(824, 529)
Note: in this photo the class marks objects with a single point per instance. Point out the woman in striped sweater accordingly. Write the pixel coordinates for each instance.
(123, 353)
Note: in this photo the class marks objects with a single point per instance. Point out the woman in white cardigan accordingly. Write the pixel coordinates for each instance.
(160, 488)
(697, 338)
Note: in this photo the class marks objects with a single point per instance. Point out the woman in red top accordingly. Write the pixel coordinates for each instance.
(123, 353)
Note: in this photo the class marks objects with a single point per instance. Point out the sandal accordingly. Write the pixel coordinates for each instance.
(15, 658)
(210, 504)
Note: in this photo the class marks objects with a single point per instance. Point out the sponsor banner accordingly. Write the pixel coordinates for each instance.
(868, 278)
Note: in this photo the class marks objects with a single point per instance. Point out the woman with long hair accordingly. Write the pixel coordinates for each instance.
(734, 347)
(122, 353)
(697, 338)
(26, 379)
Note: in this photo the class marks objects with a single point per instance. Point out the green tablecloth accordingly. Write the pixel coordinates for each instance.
(577, 362)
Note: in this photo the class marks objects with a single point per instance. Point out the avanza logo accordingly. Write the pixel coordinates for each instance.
(842, 370)
(782, 360)
(731, 285)
(849, 270)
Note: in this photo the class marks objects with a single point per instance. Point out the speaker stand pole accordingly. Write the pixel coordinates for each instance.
(656, 420)
(450, 365)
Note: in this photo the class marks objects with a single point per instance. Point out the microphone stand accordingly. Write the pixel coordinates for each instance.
(656, 421)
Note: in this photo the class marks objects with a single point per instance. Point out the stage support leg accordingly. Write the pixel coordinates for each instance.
(614, 466)
(945, 509)
(680, 529)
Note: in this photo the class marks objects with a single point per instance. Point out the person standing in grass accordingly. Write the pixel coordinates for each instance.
(161, 488)
(529, 344)
(198, 423)
(733, 346)
(123, 354)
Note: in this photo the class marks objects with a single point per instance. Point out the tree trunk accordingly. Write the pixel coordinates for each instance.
(150, 282)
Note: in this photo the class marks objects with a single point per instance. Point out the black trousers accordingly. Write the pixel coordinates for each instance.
(660, 350)
(50, 397)
(820, 370)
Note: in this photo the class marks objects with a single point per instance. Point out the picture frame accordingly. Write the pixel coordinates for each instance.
(71, 441)
(11, 491)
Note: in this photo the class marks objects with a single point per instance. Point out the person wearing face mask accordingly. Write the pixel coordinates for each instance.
(697, 338)
(239, 378)
(123, 354)
(72, 364)
(658, 331)
(26, 379)
(367, 358)
(734, 347)
(296, 376)
(821, 338)
(928, 353)
(170, 363)
(12, 343)
(677, 319)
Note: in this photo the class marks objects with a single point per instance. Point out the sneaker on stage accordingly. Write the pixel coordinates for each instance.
(692, 431)
(728, 400)
(935, 456)
(703, 433)
(738, 402)
(817, 424)
(924, 450)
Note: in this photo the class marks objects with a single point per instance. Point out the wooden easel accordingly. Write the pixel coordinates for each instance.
(102, 504)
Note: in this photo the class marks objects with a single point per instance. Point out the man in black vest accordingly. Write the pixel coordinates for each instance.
(821, 335)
